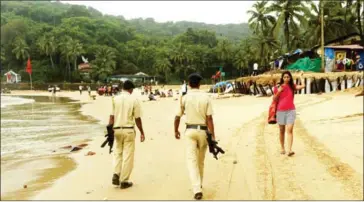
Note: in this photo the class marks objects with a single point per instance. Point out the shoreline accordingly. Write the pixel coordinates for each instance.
(235, 134)
(59, 164)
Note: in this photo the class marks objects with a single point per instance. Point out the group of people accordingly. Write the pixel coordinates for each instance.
(80, 88)
(197, 107)
(108, 90)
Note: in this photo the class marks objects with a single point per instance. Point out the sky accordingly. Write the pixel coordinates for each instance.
(210, 12)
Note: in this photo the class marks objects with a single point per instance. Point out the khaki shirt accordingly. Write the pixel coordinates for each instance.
(125, 109)
(197, 105)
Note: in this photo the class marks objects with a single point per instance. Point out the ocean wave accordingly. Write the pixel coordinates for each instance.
(10, 100)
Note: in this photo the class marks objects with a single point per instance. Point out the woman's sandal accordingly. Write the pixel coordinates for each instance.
(291, 153)
(283, 152)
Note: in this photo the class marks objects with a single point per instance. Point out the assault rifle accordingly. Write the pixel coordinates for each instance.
(109, 137)
(213, 148)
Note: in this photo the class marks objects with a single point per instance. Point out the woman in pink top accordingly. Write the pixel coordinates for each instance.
(286, 111)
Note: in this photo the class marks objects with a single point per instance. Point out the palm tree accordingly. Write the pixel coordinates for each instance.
(260, 19)
(104, 63)
(183, 57)
(337, 23)
(359, 15)
(224, 50)
(164, 66)
(3, 58)
(289, 12)
(21, 49)
(66, 51)
(245, 55)
(75, 51)
(48, 46)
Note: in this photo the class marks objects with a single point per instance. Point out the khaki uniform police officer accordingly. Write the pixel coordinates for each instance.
(198, 109)
(125, 109)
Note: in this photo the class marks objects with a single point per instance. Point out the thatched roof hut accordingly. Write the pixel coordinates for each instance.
(274, 77)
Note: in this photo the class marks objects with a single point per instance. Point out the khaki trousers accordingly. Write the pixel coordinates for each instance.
(124, 146)
(196, 146)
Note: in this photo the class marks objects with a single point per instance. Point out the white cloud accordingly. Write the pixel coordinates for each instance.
(212, 12)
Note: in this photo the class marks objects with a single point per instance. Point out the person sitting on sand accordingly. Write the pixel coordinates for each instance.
(170, 93)
(286, 111)
(151, 97)
(163, 94)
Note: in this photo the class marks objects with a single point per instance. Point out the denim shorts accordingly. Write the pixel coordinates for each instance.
(286, 117)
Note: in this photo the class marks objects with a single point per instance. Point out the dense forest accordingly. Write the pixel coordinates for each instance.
(56, 36)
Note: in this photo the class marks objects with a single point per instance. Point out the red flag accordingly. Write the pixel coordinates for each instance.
(29, 67)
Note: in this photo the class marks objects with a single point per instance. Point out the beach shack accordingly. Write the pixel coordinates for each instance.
(12, 77)
(138, 78)
(344, 58)
(85, 68)
(349, 39)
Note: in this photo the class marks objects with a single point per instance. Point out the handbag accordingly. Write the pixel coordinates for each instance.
(272, 112)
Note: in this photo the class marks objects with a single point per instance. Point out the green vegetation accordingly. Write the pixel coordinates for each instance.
(55, 36)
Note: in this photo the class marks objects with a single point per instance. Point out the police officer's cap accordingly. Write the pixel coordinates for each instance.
(128, 85)
(194, 77)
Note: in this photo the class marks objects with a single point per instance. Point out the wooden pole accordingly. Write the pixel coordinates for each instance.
(322, 38)
(31, 85)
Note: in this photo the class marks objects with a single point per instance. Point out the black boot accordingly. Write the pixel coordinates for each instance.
(125, 185)
(198, 196)
(115, 180)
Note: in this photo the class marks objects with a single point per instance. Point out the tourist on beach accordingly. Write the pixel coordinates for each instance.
(151, 97)
(80, 88)
(286, 111)
(170, 93)
(255, 69)
(109, 90)
(89, 90)
(184, 88)
(54, 90)
(125, 110)
(197, 107)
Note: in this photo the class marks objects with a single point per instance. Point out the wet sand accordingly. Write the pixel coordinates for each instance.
(328, 163)
(32, 135)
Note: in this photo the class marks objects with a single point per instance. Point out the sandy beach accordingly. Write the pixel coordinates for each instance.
(328, 165)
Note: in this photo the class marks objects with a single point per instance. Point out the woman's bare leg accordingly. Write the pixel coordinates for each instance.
(282, 129)
(290, 138)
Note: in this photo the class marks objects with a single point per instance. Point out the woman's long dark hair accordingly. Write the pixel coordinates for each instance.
(291, 84)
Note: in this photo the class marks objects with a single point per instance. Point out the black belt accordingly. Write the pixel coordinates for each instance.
(196, 127)
(129, 127)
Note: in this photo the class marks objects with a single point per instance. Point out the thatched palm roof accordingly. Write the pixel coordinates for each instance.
(274, 77)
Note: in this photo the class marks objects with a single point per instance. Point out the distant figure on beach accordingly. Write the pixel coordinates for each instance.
(198, 109)
(80, 88)
(89, 90)
(54, 90)
(109, 91)
(125, 110)
(184, 88)
(151, 97)
(286, 111)
(170, 93)
(255, 69)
